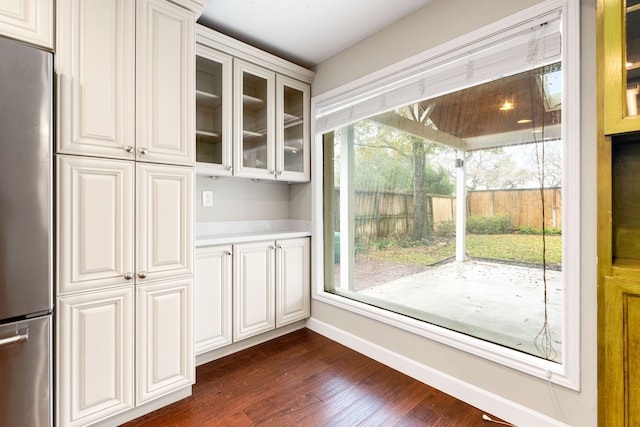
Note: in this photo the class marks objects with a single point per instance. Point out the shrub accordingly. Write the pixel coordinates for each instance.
(496, 224)
(446, 229)
(538, 231)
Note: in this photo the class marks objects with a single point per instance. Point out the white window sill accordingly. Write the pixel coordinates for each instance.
(528, 364)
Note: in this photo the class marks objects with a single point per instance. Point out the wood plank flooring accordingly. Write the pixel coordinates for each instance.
(305, 379)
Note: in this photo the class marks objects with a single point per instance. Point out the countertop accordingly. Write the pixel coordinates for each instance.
(230, 232)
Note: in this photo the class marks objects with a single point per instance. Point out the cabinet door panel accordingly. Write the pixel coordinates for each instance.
(28, 20)
(94, 223)
(164, 347)
(212, 299)
(94, 360)
(293, 281)
(95, 65)
(164, 221)
(292, 124)
(165, 72)
(253, 289)
(214, 126)
(254, 121)
(622, 346)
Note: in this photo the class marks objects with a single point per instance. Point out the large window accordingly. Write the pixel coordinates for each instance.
(447, 194)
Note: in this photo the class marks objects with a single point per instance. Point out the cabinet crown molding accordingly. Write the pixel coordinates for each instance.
(224, 43)
(196, 6)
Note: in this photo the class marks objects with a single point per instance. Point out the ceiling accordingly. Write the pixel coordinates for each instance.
(476, 111)
(305, 31)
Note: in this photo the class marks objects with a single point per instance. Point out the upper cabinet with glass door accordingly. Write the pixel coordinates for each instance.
(213, 112)
(254, 114)
(269, 114)
(292, 126)
(621, 31)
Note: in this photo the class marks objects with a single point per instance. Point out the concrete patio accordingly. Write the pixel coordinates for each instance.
(501, 303)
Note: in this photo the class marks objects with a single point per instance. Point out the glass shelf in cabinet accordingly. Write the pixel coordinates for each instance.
(291, 120)
(252, 103)
(207, 99)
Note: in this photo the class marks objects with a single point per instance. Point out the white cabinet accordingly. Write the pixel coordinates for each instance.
(254, 121)
(253, 289)
(164, 226)
(96, 234)
(271, 124)
(270, 285)
(292, 129)
(95, 67)
(96, 231)
(94, 356)
(164, 341)
(269, 114)
(214, 138)
(95, 223)
(125, 141)
(28, 20)
(212, 299)
(165, 90)
(125, 80)
(293, 291)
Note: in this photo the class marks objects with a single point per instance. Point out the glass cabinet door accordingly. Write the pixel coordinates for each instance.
(293, 129)
(621, 66)
(254, 88)
(632, 63)
(213, 110)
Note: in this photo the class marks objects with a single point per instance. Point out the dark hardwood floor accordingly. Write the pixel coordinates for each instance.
(305, 379)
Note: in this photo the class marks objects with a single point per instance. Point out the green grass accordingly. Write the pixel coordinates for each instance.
(510, 247)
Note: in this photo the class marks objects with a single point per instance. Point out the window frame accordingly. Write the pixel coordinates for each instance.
(566, 374)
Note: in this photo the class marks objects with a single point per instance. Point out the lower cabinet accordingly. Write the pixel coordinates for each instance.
(212, 298)
(250, 288)
(253, 289)
(293, 291)
(622, 346)
(164, 341)
(94, 356)
(100, 371)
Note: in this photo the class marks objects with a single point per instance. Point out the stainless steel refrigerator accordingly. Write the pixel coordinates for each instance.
(25, 235)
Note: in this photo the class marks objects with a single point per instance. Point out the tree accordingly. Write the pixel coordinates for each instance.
(495, 169)
(391, 159)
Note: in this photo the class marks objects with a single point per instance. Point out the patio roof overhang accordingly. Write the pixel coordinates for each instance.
(471, 119)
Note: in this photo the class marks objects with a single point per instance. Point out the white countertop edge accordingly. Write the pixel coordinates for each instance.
(229, 239)
(244, 227)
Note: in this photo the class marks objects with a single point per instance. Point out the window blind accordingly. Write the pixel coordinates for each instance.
(522, 47)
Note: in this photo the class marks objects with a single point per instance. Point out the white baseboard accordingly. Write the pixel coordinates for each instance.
(227, 350)
(515, 413)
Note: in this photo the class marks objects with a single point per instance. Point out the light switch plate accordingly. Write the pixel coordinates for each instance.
(207, 198)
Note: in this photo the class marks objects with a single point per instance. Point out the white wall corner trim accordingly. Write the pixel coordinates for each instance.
(494, 404)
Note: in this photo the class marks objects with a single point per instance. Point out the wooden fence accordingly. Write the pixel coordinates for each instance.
(381, 214)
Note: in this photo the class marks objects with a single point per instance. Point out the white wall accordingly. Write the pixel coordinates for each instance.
(245, 200)
(438, 22)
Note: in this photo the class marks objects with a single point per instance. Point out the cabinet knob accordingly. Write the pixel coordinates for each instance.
(229, 168)
(272, 246)
(142, 150)
(280, 172)
(227, 253)
(272, 172)
(142, 274)
(128, 276)
(128, 149)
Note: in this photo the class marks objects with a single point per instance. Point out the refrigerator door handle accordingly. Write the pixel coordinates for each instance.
(20, 336)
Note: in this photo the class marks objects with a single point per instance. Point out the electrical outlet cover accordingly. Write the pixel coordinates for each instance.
(207, 198)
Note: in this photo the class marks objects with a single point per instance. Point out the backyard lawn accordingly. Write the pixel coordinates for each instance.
(523, 248)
